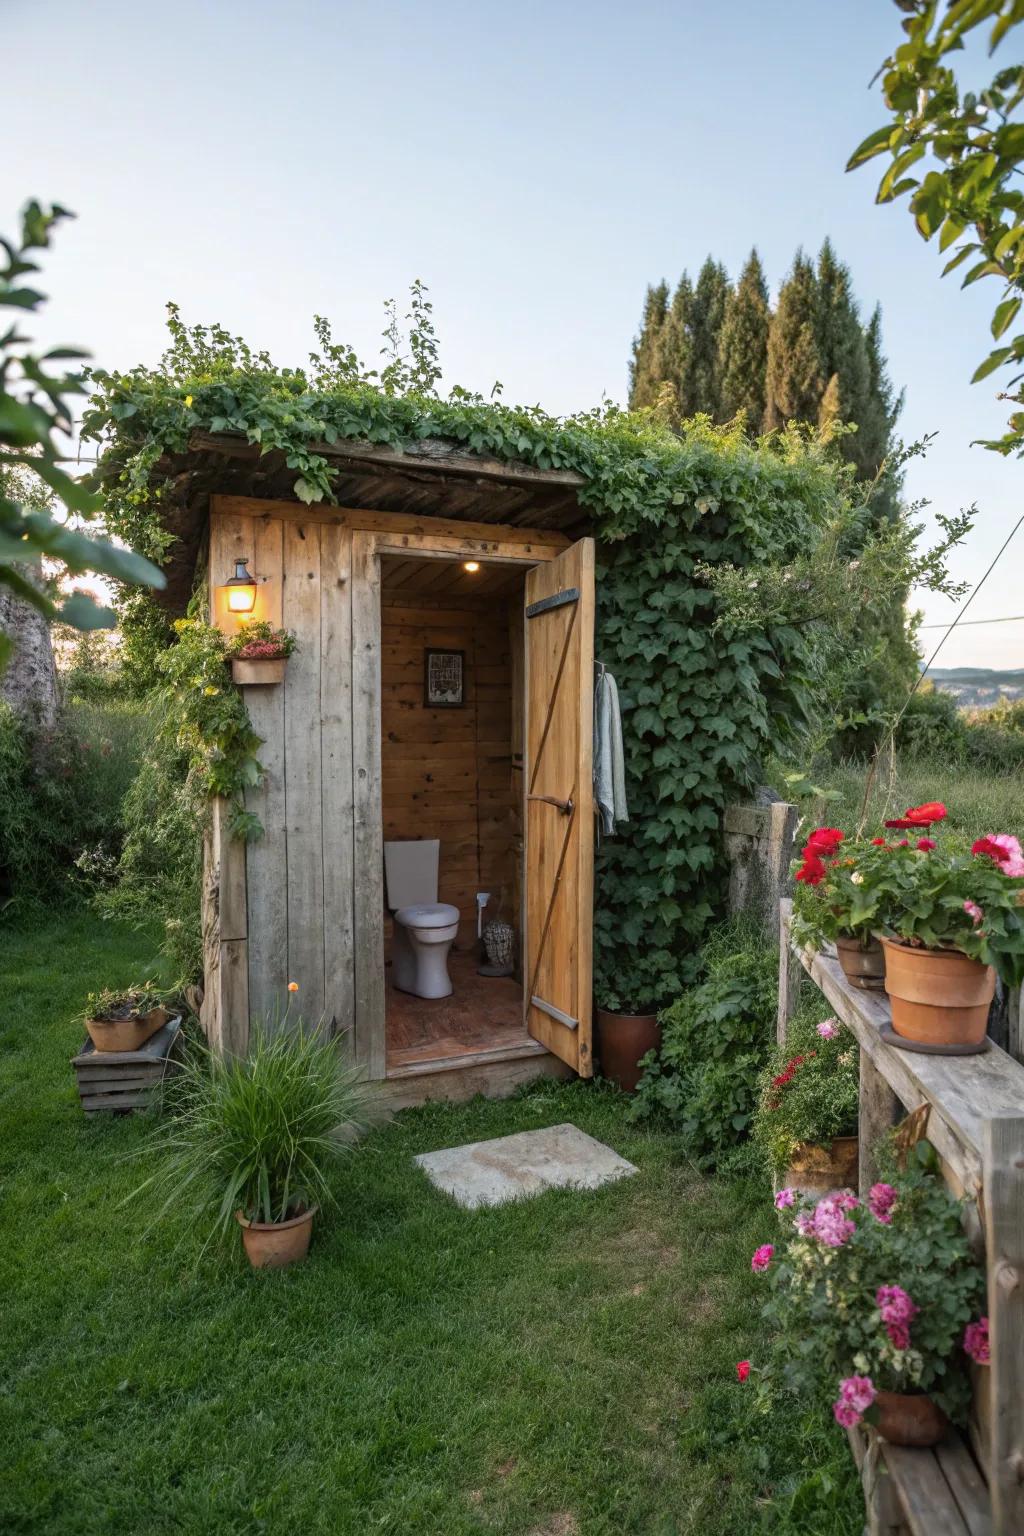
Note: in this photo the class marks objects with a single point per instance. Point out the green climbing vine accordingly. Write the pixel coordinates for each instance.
(705, 693)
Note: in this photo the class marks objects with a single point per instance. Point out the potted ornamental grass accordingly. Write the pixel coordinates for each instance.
(826, 893)
(805, 1124)
(256, 1137)
(124, 1020)
(949, 921)
(258, 653)
(875, 1305)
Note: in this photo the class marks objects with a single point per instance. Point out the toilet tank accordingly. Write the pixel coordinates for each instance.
(410, 870)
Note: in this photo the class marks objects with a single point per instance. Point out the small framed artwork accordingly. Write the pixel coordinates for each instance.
(444, 683)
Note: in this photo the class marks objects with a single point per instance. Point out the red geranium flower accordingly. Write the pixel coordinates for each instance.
(824, 840)
(992, 848)
(812, 870)
(742, 1370)
(926, 844)
(878, 842)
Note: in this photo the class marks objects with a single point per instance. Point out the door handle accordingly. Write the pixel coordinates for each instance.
(565, 806)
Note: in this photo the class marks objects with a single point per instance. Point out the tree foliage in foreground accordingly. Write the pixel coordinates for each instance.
(33, 409)
(965, 149)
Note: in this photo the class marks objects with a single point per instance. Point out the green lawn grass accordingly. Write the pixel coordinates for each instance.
(561, 1367)
(978, 800)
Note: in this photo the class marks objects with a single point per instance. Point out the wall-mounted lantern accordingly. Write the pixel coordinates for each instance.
(241, 590)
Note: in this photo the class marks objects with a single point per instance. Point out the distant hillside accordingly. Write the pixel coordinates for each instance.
(974, 686)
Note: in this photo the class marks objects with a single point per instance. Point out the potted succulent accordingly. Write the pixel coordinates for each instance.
(805, 1123)
(125, 1020)
(949, 922)
(256, 1136)
(875, 1304)
(826, 893)
(258, 653)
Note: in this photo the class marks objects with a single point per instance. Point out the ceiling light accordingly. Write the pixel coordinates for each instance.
(471, 565)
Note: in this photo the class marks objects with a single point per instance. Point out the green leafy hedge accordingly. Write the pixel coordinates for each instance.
(701, 704)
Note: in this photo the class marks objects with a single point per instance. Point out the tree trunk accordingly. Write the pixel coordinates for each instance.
(29, 684)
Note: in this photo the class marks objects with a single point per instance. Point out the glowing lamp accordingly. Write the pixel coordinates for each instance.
(241, 590)
(471, 566)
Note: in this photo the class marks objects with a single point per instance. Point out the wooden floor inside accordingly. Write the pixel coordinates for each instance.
(483, 1016)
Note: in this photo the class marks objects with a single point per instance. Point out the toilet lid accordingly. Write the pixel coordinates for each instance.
(436, 914)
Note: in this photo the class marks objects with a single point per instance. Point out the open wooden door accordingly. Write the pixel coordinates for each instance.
(559, 811)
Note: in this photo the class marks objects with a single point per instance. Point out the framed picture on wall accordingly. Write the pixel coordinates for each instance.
(444, 679)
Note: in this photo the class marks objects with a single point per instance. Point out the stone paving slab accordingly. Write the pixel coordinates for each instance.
(513, 1167)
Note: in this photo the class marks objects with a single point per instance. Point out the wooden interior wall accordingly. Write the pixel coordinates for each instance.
(448, 773)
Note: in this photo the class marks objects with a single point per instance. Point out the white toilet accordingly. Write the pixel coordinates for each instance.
(425, 928)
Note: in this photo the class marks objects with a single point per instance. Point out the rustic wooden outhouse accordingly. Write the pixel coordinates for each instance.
(429, 550)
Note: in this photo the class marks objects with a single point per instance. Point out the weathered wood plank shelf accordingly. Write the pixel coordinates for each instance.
(976, 1124)
(124, 1080)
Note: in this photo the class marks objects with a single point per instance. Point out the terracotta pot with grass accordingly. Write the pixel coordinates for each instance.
(275, 1244)
(938, 996)
(258, 1135)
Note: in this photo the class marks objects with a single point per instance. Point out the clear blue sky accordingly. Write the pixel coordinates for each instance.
(536, 165)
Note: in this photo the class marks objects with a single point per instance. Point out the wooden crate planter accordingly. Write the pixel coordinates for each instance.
(127, 1080)
(976, 1125)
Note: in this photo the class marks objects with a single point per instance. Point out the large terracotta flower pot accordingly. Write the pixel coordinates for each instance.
(909, 1418)
(863, 963)
(126, 1034)
(818, 1169)
(250, 672)
(274, 1244)
(622, 1040)
(939, 996)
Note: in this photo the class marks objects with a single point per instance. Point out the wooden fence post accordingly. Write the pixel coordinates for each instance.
(790, 973)
(1004, 1231)
(879, 1110)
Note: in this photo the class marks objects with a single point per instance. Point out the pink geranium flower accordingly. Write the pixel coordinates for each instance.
(829, 1224)
(897, 1312)
(881, 1199)
(973, 911)
(1003, 850)
(784, 1199)
(829, 1029)
(762, 1258)
(976, 1341)
(856, 1394)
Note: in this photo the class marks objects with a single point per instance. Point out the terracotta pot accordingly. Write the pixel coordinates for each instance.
(126, 1034)
(622, 1039)
(252, 673)
(863, 963)
(274, 1244)
(939, 996)
(909, 1418)
(818, 1169)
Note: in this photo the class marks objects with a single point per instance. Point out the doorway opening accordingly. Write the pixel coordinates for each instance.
(452, 703)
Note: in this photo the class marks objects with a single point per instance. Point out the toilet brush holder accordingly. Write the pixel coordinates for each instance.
(499, 947)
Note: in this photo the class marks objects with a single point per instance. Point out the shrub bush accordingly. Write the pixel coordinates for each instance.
(159, 872)
(715, 1040)
(62, 795)
(809, 1090)
(932, 726)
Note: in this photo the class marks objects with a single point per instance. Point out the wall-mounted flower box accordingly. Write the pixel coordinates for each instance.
(251, 671)
(259, 653)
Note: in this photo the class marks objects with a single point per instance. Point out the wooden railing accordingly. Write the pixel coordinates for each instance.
(976, 1124)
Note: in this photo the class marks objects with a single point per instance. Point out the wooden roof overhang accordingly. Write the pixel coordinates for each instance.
(432, 477)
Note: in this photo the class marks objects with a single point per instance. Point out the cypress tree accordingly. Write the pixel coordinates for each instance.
(644, 378)
(844, 360)
(794, 378)
(884, 404)
(700, 389)
(743, 346)
(674, 352)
